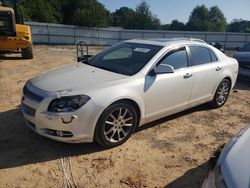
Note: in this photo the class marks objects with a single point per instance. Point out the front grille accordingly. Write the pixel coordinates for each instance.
(31, 95)
(28, 110)
(31, 125)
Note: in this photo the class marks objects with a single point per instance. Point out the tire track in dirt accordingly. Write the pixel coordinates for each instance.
(66, 167)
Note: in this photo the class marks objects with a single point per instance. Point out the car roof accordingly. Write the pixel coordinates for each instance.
(167, 41)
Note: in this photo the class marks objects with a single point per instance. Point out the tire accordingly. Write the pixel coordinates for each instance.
(116, 124)
(221, 94)
(27, 53)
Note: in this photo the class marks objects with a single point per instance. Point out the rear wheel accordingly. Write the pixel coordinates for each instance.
(27, 53)
(221, 94)
(116, 124)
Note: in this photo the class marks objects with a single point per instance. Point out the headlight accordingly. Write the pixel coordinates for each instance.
(68, 104)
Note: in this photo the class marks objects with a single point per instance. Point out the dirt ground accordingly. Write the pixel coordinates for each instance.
(171, 152)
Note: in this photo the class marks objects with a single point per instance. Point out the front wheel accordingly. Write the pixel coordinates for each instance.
(116, 125)
(221, 94)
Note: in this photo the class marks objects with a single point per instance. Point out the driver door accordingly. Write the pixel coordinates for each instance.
(170, 92)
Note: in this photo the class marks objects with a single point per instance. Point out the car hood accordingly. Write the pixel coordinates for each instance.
(73, 76)
(236, 165)
(242, 56)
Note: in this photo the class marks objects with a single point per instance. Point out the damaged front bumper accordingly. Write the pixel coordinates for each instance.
(72, 127)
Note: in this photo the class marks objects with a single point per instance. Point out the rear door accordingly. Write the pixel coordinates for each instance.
(206, 72)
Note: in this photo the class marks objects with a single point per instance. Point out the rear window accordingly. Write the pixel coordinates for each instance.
(200, 55)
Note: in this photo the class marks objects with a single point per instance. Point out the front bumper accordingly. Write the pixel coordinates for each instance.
(74, 127)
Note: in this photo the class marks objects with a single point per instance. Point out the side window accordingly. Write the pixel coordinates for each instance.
(213, 57)
(200, 55)
(177, 59)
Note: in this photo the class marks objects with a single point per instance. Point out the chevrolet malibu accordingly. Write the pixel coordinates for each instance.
(104, 98)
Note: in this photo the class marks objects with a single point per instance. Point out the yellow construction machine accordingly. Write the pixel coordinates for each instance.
(14, 35)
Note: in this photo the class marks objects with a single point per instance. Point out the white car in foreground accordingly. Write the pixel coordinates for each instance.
(232, 170)
(105, 97)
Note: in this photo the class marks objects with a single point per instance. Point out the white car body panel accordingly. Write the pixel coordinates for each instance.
(70, 77)
(232, 169)
(202, 77)
(156, 97)
(167, 101)
(236, 166)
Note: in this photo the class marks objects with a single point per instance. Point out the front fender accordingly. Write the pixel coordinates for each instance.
(104, 97)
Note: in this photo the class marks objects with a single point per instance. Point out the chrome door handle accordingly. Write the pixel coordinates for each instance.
(218, 68)
(188, 75)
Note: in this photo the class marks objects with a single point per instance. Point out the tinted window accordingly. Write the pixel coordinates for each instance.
(177, 59)
(124, 58)
(213, 57)
(200, 55)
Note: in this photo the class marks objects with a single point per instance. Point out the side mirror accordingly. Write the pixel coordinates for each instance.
(162, 69)
(237, 48)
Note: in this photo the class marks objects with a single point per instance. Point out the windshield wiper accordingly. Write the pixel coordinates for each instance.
(107, 68)
(86, 61)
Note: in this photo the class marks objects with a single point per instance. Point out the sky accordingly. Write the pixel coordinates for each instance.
(168, 10)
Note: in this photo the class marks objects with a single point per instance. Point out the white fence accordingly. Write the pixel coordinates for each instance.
(45, 33)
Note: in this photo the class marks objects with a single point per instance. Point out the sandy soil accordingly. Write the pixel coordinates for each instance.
(171, 152)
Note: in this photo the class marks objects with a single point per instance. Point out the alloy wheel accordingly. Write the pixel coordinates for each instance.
(118, 124)
(222, 93)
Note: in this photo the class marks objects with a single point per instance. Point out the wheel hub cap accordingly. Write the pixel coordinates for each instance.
(222, 93)
(118, 124)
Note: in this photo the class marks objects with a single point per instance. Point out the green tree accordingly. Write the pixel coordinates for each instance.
(217, 20)
(165, 27)
(177, 26)
(40, 10)
(88, 13)
(202, 19)
(144, 18)
(92, 15)
(199, 19)
(155, 23)
(68, 9)
(238, 25)
(246, 30)
(124, 17)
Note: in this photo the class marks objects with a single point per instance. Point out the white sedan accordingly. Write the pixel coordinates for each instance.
(105, 97)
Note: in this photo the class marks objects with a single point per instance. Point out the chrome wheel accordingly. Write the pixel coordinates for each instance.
(222, 93)
(118, 124)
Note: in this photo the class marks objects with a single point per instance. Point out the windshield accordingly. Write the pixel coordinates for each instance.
(246, 48)
(124, 58)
